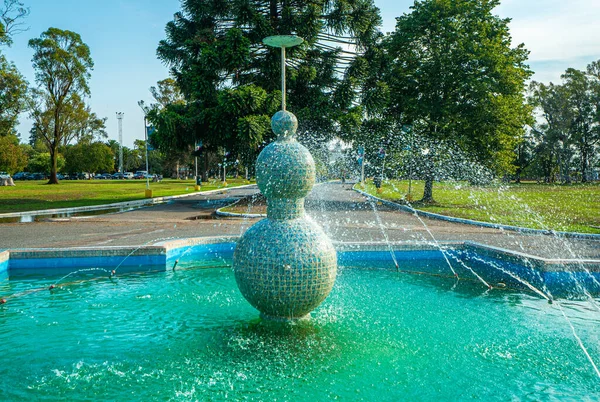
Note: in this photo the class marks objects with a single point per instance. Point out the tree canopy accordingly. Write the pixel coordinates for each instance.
(13, 95)
(230, 80)
(567, 135)
(455, 76)
(62, 64)
(12, 12)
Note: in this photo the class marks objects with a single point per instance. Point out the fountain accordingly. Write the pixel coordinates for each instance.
(428, 319)
(285, 265)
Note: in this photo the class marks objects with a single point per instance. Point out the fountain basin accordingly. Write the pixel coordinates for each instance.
(498, 267)
(382, 334)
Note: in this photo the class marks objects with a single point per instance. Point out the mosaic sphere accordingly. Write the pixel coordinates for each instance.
(284, 124)
(285, 169)
(285, 268)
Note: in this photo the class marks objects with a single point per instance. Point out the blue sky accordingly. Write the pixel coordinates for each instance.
(123, 36)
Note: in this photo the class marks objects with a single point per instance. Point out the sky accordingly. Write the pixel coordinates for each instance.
(123, 36)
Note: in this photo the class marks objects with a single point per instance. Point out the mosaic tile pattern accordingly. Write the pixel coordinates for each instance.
(284, 124)
(285, 169)
(285, 268)
(285, 265)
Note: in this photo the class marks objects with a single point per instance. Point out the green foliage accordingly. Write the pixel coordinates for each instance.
(89, 157)
(567, 137)
(230, 80)
(62, 65)
(42, 163)
(11, 14)
(167, 92)
(455, 76)
(13, 157)
(13, 96)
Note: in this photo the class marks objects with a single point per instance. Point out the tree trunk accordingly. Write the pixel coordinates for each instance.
(273, 13)
(54, 148)
(54, 164)
(584, 163)
(518, 176)
(428, 191)
(205, 169)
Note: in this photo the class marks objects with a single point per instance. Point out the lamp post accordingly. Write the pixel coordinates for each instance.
(120, 120)
(146, 149)
(148, 190)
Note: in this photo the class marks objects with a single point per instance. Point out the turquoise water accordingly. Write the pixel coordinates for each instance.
(381, 335)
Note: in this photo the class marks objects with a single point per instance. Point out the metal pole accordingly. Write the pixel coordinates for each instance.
(146, 141)
(196, 161)
(120, 120)
(362, 172)
(283, 78)
(410, 167)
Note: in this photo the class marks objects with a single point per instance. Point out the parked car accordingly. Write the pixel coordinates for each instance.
(118, 176)
(4, 175)
(104, 176)
(84, 176)
(38, 176)
(60, 176)
(20, 176)
(128, 175)
(140, 174)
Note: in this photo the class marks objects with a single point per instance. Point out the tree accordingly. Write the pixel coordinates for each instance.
(454, 75)
(13, 96)
(11, 14)
(62, 64)
(42, 163)
(12, 155)
(92, 157)
(584, 109)
(167, 93)
(568, 131)
(230, 79)
(553, 132)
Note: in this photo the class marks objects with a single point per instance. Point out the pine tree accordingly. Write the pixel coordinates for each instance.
(230, 80)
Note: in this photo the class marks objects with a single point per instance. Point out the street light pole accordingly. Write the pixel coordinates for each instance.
(120, 119)
(146, 147)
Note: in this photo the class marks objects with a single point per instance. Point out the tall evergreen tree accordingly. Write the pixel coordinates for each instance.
(230, 79)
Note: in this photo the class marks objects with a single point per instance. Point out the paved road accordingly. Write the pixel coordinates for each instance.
(344, 214)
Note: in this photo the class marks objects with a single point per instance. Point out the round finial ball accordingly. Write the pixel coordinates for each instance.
(284, 124)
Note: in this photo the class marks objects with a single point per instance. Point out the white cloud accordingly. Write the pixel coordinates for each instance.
(555, 30)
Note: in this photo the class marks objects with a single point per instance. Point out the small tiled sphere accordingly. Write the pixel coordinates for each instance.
(285, 169)
(284, 124)
(285, 268)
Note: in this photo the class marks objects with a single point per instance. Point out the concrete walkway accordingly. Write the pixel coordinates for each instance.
(344, 214)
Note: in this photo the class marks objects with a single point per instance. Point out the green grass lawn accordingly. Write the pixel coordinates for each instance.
(37, 195)
(572, 208)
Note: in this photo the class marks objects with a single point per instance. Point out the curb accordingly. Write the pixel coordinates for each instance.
(135, 203)
(226, 214)
(431, 215)
(219, 211)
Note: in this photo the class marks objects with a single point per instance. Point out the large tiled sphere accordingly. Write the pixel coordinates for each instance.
(285, 268)
(285, 169)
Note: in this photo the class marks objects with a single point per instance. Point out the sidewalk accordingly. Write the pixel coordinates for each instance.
(344, 214)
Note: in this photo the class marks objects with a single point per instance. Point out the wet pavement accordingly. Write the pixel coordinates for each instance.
(343, 213)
